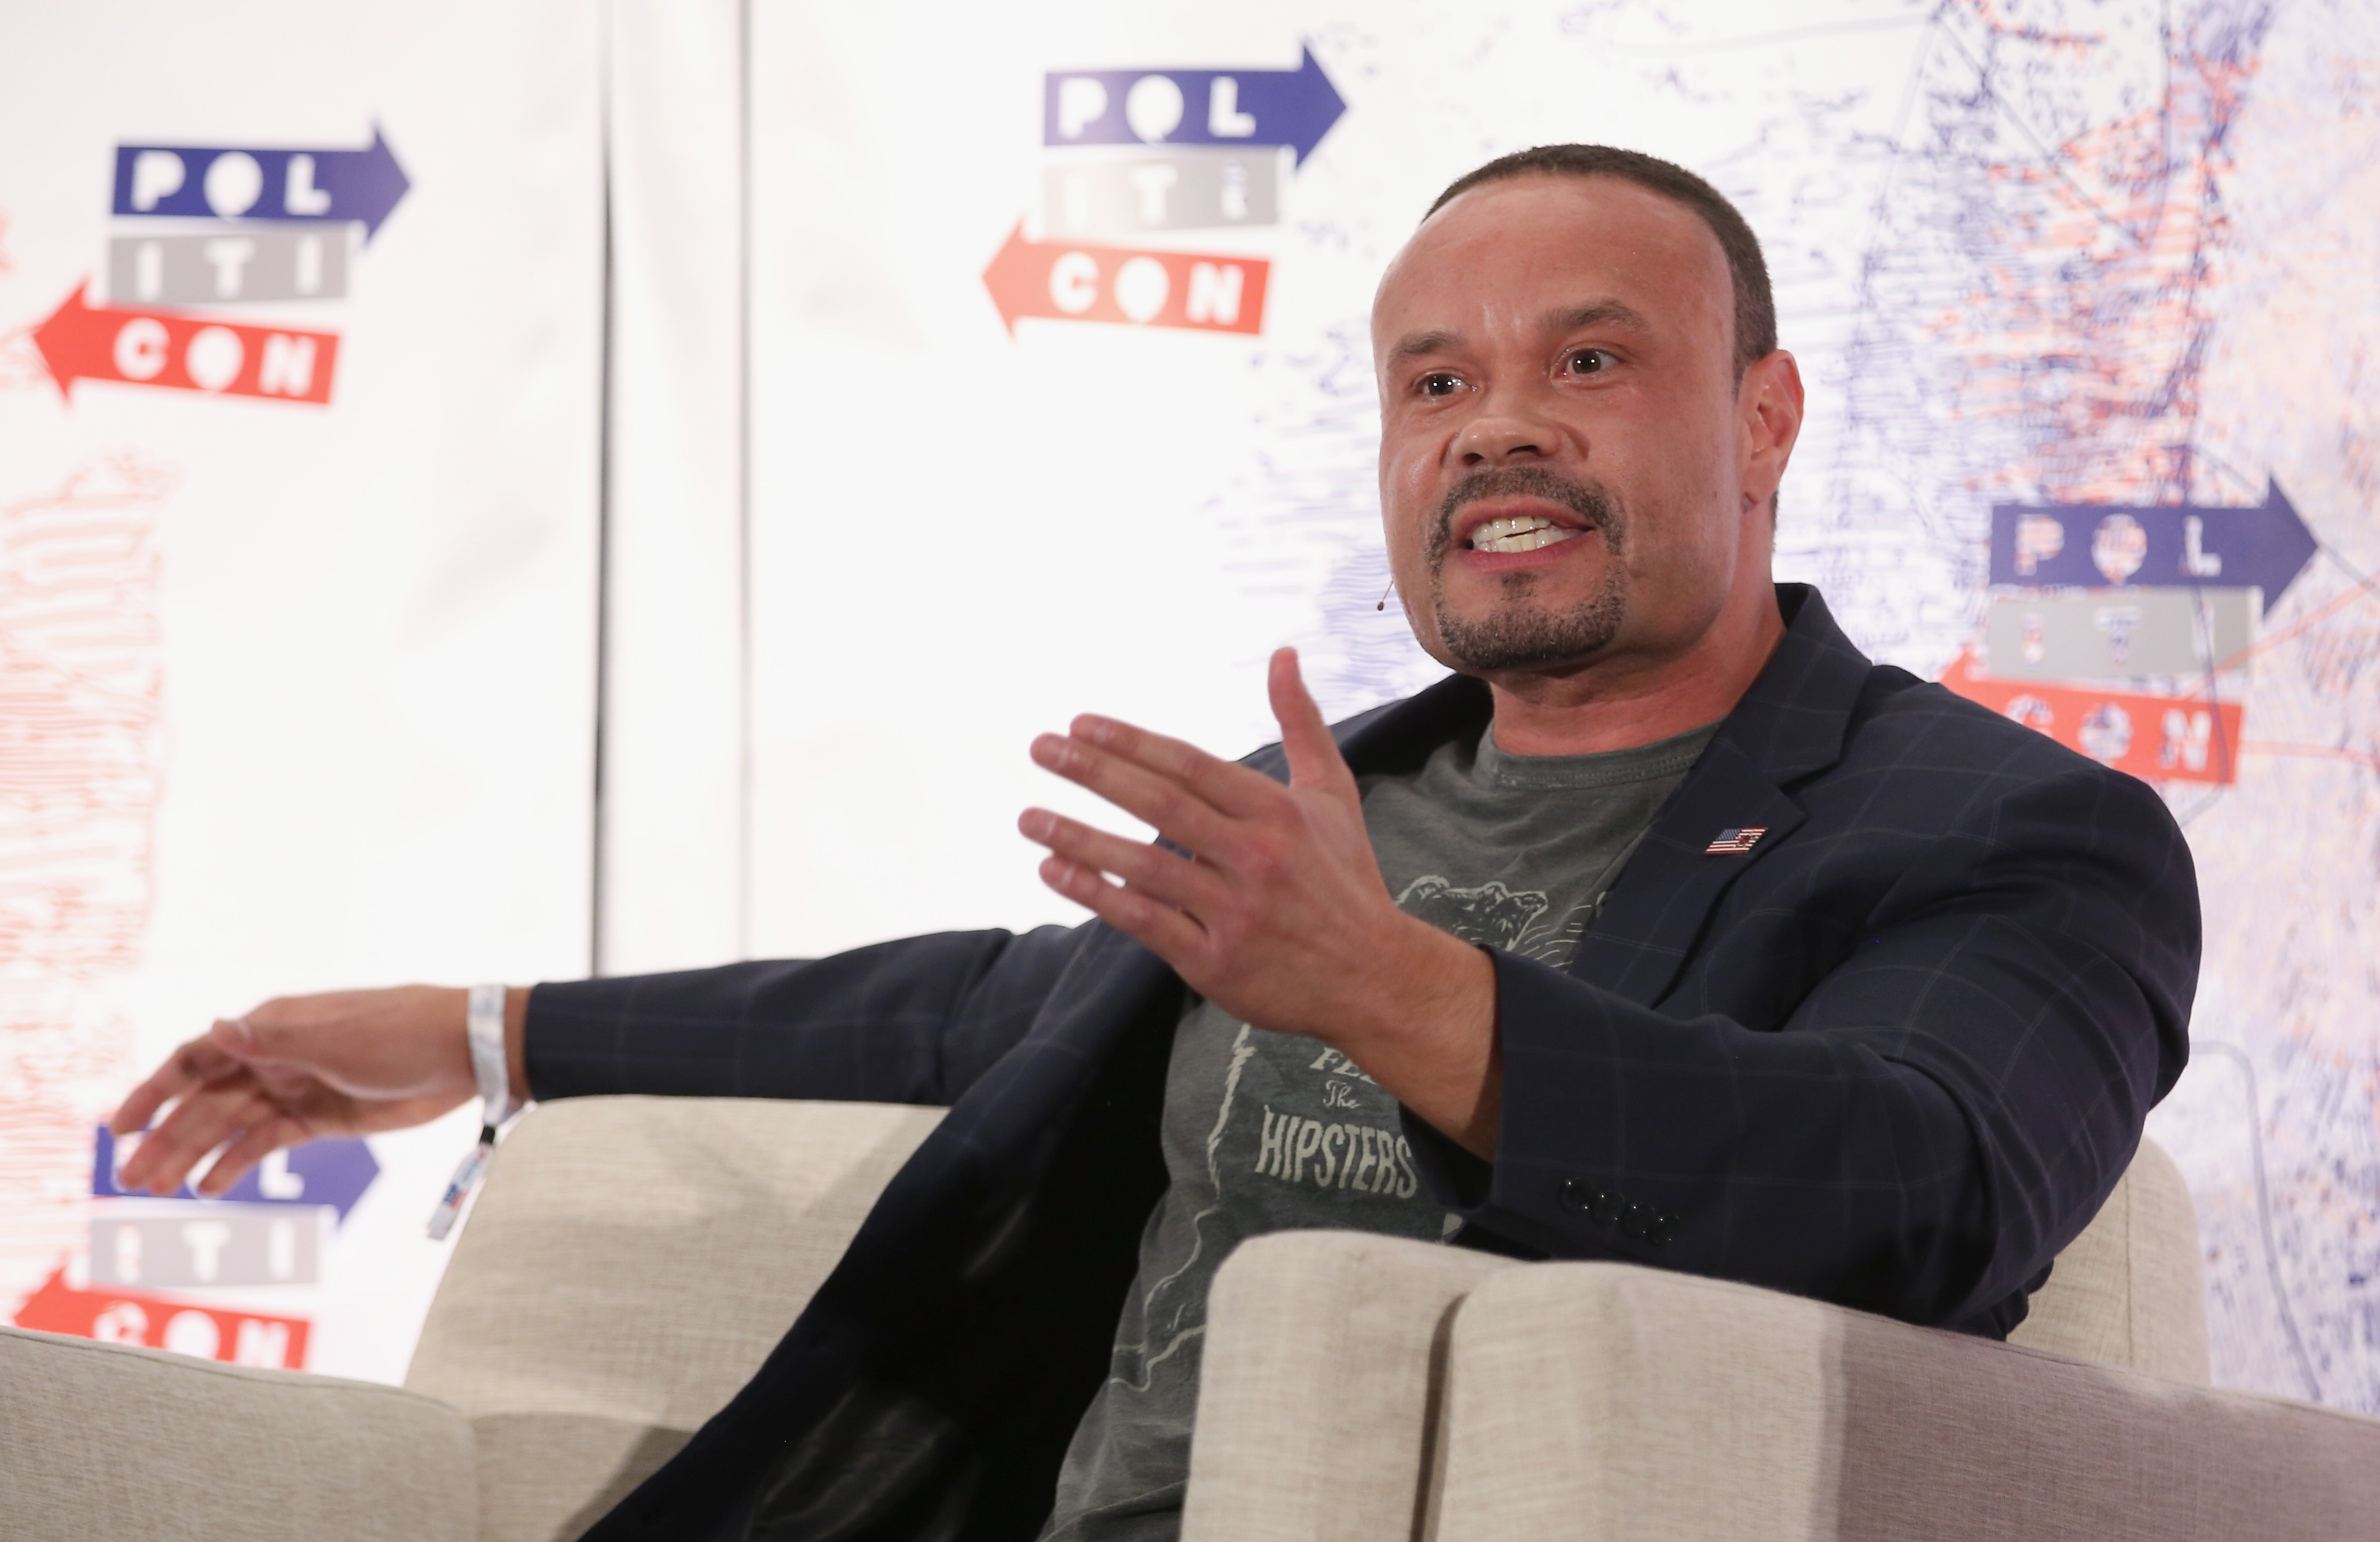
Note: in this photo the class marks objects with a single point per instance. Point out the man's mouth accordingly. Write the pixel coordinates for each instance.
(1509, 514)
(1527, 533)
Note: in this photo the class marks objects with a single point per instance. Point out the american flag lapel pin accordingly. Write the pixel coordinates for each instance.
(1735, 843)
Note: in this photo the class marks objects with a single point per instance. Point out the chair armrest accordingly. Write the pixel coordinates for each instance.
(1317, 1384)
(628, 1266)
(135, 1445)
(1606, 1402)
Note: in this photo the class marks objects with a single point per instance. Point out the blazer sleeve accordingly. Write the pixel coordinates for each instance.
(915, 1021)
(1942, 1111)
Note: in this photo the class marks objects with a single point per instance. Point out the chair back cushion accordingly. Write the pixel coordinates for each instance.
(2129, 1290)
(629, 1264)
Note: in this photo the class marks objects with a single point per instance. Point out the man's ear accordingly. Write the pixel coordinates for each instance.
(1769, 404)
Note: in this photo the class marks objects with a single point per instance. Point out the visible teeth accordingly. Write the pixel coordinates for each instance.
(1525, 534)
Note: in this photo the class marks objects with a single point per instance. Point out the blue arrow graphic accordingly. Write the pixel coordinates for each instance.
(2159, 546)
(1294, 107)
(335, 1171)
(230, 183)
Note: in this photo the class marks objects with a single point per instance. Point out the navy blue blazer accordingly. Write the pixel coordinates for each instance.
(1893, 1055)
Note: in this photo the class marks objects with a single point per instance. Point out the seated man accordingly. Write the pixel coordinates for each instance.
(1669, 930)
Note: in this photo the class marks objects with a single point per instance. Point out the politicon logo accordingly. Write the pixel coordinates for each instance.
(1132, 153)
(2126, 631)
(219, 226)
(272, 1228)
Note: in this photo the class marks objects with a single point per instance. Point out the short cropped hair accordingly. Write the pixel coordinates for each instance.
(1755, 307)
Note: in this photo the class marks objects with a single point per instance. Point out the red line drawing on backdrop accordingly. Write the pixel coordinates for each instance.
(2363, 589)
(20, 361)
(2315, 752)
(2094, 329)
(21, 365)
(81, 764)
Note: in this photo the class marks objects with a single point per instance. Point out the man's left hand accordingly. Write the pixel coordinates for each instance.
(1279, 916)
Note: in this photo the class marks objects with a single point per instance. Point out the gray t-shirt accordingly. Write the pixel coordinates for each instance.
(1267, 1132)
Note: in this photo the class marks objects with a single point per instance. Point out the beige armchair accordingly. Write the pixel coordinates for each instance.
(1356, 1387)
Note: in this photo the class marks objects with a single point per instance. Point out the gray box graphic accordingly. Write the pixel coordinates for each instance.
(248, 262)
(1179, 189)
(208, 1243)
(2119, 633)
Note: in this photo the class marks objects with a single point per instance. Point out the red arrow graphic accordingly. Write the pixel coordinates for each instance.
(1062, 281)
(133, 1317)
(185, 353)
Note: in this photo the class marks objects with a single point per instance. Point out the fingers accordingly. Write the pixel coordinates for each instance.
(197, 1062)
(203, 1119)
(1230, 789)
(1171, 934)
(1172, 785)
(253, 1146)
(1154, 871)
(1176, 808)
(1313, 757)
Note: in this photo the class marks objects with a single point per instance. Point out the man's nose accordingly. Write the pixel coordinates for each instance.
(1506, 430)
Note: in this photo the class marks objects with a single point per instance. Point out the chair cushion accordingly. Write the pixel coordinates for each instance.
(629, 1264)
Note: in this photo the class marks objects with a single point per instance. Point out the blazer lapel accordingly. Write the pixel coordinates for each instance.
(1790, 724)
(1653, 914)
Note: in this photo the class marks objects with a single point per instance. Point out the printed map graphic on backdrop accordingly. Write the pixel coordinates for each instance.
(81, 762)
(2035, 256)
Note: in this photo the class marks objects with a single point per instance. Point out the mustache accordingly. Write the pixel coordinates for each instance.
(1590, 500)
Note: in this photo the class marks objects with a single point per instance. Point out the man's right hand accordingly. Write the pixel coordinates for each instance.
(299, 1067)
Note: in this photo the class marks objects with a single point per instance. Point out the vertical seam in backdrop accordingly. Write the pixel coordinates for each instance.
(607, 325)
(744, 478)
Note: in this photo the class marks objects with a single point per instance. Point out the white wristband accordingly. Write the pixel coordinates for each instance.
(486, 1027)
(483, 1025)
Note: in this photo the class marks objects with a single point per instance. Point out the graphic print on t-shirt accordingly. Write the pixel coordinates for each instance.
(1300, 1137)
(1519, 921)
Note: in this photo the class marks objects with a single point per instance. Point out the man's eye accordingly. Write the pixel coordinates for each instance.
(1439, 383)
(1588, 361)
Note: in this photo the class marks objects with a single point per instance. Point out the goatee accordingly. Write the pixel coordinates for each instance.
(1520, 634)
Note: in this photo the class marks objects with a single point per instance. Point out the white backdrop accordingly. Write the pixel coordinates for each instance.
(356, 639)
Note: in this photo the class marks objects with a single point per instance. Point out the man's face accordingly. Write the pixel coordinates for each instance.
(1566, 465)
